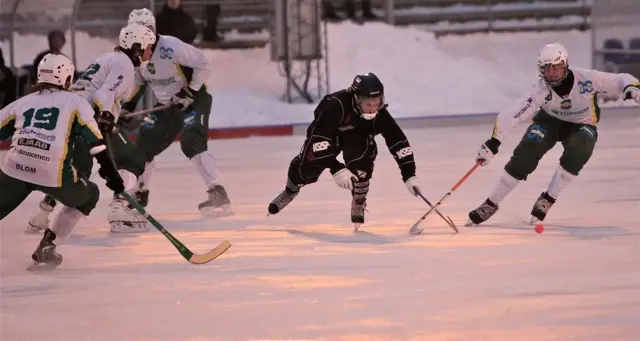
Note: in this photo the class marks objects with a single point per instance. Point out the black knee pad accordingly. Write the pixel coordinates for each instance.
(578, 149)
(360, 187)
(92, 199)
(300, 176)
(193, 141)
(524, 160)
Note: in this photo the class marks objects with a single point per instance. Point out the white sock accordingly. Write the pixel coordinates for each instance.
(143, 181)
(505, 185)
(561, 179)
(65, 221)
(205, 163)
(130, 181)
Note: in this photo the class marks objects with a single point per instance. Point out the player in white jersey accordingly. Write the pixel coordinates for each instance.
(176, 73)
(44, 125)
(564, 108)
(108, 81)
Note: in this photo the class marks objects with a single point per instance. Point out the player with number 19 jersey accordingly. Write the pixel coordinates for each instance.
(44, 126)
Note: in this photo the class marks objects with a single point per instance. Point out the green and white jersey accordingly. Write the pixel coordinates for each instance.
(580, 106)
(44, 126)
(107, 82)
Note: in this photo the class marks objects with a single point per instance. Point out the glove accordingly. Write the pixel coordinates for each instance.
(109, 173)
(184, 98)
(632, 93)
(106, 122)
(344, 179)
(129, 122)
(487, 151)
(413, 185)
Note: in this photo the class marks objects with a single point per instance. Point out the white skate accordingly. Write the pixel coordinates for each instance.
(218, 205)
(123, 219)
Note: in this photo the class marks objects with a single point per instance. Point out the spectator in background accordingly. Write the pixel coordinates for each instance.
(174, 21)
(329, 12)
(7, 83)
(56, 43)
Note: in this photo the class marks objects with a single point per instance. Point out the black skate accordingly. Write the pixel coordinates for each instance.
(218, 204)
(358, 206)
(482, 213)
(283, 199)
(45, 255)
(541, 207)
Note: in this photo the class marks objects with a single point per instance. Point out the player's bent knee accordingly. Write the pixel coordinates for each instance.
(193, 142)
(93, 194)
(577, 153)
(523, 161)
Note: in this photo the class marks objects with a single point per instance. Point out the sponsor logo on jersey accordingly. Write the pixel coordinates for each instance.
(585, 87)
(33, 143)
(151, 68)
(115, 86)
(345, 128)
(565, 104)
(570, 113)
(37, 134)
(26, 169)
(162, 81)
(32, 155)
(527, 106)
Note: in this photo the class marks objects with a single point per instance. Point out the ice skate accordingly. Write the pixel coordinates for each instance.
(124, 219)
(45, 255)
(40, 219)
(358, 206)
(541, 207)
(482, 213)
(218, 205)
(282, 200)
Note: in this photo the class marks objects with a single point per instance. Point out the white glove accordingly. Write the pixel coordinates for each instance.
(632, 93)
(412, 184)
(484, 155)
(344, 179)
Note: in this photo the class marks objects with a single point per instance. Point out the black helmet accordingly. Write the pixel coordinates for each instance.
(367, 85)
(368, 94)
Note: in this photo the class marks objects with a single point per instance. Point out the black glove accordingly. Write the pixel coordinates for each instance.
(184, 98)
(106, 122)
(130, 122)
(493, 144)
(109, 173)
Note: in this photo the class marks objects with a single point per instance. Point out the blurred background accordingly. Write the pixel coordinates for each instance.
(274, 59)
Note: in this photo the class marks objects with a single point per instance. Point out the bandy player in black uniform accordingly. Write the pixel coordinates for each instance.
(347, 121)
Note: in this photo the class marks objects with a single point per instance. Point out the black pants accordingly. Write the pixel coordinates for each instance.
(359, 155)
(578, 141)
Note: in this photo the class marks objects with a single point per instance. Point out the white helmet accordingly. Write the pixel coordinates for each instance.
(553, 55)
(144, 17)
(55, 69)
(134, 39)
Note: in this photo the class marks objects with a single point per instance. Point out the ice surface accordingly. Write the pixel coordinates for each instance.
(303, 275)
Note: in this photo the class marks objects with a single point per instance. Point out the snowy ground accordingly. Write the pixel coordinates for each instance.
(303, 274)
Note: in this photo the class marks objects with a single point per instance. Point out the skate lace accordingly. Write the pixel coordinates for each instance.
(543, 205)
(283, 198)
(485, 210)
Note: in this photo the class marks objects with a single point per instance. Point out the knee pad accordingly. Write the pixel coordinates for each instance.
(193, 141)
(360, 187)
(578, 150)
(527, 154)
(92, 201)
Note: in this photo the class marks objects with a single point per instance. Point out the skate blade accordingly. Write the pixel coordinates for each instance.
(120, 228)
(534, 220)
(356, 226)
(470, 223)
(35, 266)
(33, 230)
(212, 212)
